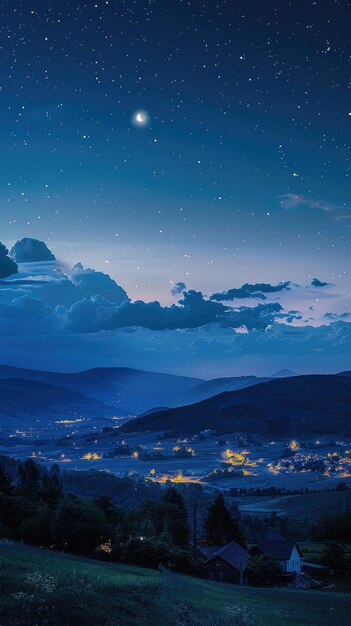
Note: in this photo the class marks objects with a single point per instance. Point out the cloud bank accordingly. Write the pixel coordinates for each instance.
(83, 317)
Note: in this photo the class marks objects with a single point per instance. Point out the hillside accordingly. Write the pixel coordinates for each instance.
(24, 403)
(42, 587)
(128, 390)
(301, 405)
(133, 392)
(215, 386)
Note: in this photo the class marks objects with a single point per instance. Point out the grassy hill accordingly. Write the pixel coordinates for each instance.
(301, 405)
(47, 588)
(299, 507)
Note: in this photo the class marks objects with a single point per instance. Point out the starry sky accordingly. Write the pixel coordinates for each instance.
(195, 142)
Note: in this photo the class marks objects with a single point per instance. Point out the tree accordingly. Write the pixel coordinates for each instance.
(177, 525)
(51, 491)
(37, 530)
(263, 571)
(220, 526)
(6, 486)
(29, 475)
(147, 552)
(334, 556)
(79, 526)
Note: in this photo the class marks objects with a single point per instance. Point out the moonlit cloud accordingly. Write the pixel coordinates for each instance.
(84, 316)
(30, 250)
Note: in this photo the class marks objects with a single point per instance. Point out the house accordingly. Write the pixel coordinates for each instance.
(286, 552)
(226, 563)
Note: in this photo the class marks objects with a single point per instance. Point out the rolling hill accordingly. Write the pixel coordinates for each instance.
(43, 587)
(26, 403)
(213, 387)
(301, 405)
(130, 391)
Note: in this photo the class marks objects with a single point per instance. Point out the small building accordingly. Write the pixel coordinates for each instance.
(286, 552)
(316, 569)
(226, 563)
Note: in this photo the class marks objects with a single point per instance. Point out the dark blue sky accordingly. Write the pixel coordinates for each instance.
(242, 173)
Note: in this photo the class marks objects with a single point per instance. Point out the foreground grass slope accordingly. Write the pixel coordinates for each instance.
(46, 588)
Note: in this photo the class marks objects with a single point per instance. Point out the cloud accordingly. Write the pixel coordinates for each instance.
(178, 288)
(7, 265)
(29, 250)
(193, 311)
(208, 351)
(259, 317)
(247, 290)
(291, 316)
(26, 315)
(318, 283)
(337, 316)
(294, 201)
(82, 317)
(49, 283)
(89, 282)
(96, 313)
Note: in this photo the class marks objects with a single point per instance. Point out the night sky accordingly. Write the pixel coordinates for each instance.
(195, 142)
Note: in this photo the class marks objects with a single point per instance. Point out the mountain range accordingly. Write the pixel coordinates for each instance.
(27, 394)
(282, 404)
(298, 405)
(25, 403)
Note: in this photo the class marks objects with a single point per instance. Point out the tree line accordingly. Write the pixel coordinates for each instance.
(36, 510)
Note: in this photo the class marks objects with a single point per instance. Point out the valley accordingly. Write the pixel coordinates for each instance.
(297, 430)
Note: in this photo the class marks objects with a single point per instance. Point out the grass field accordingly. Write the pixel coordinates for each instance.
(313, 550)
(309, 506)
(50, 589)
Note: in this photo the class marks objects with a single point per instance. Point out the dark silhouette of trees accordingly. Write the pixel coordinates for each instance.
(29, 479)
(333, 528)
(263, 571)
(178, 526)
(79, 526)
(335, 556)
(6, 485)
(220, 526)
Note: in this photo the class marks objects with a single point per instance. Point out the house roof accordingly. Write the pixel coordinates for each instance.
(208, 551)
(232, 553)
(277, 547)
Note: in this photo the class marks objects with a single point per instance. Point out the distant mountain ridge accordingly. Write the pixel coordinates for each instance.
(209, 388)
(133, 391)
(26, 395)
(284, 373)
(25, 403)
(300, 405)
(129, 391)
